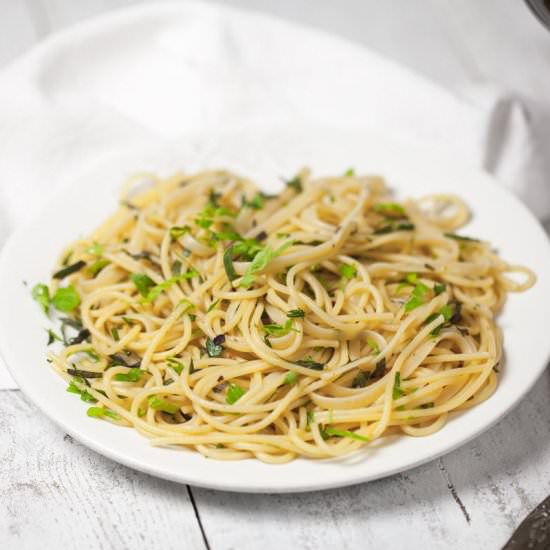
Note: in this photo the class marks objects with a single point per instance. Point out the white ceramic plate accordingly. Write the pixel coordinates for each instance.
(266, 155)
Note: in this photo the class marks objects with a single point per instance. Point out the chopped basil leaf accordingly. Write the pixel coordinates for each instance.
(257, 203)
(333, 432)
(291, 378)
(347, 271)
(310, 417)
(380, 368)
(417, 297)
(234, 393)
(66, 271)
(41, 294)
(273, 329)
(163, 405)
(66, 299)
(213, 349)
(175, 364)
(397, 392)
(100, 412)
(143, 283)
(295, 313)
(133, 375)
(115, 334)
(84, 373)
(350, 172)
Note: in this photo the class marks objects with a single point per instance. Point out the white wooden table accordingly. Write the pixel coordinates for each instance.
(55, 493)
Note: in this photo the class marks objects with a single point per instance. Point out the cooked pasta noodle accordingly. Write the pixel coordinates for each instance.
(214, 317)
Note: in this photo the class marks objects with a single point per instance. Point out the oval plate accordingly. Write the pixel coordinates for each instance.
(265, 155)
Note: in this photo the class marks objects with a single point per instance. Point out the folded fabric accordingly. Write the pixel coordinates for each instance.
(151, 73)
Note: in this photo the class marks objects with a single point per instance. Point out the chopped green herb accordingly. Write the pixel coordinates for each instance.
(234, 393)
(360, 380)
(397, 392)
(257, 203)
(175, 364)
(84, 373)
(157, 290)
(228, 264)
(141, 412)
(213, 305)
(66, 271)
(133, 375)
(66, 299)
(52, 337)
(310, 417)
(347, 271)
(260, 261)
(143, 283)
(291, 378)
(310, 363)
(95, 250)
(394, 226)
(115, 334)
(333, 432)
(97, 266)
(439, 288)
(273, 329)
(350, 172)
(427, 405)
(100, 412)
(390, 209)
(417, 297)
(178, 231)
(371, 342)
(84, 394)
(295, 313)
(214, 348)
(41, 294)
(163, 405)
(295, 183)
(176, 267)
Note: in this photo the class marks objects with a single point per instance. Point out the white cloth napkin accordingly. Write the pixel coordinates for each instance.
(156, 72)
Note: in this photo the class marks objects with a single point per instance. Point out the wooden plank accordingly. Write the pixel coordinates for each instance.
(55, 493)
(17, 32)
(472, 498)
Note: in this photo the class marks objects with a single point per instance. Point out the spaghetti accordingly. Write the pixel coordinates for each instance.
(212, 316)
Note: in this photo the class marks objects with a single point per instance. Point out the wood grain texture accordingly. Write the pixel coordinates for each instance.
(55, 493)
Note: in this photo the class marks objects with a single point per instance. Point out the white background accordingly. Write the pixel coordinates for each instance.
(54, 492)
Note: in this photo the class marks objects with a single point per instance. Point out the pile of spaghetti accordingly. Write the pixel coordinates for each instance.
(207, 314)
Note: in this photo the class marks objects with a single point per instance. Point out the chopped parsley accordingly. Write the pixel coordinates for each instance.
(397, 392)
(133, 375)
(257, 203)
(260, 261)
(213, 305)
(349, 173)
(291, 378)
(175, 364)
(228, 264)
(41, 294)
(154, 292)
(234, 393)
(333, 432)
(360, 380)
(390, 209)
(394, 226)
(461, 238)
(97, 266)
(347, 271)
(115, 334)
(84, 394)
(66, 299)
(371, 342)
(95, 250)
(439, 288)
(273, 329)
(163, 405)
(142, 282)
(417, 297)
(101, 412)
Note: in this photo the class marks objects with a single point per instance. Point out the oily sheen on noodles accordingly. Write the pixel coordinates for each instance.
(208, 315)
